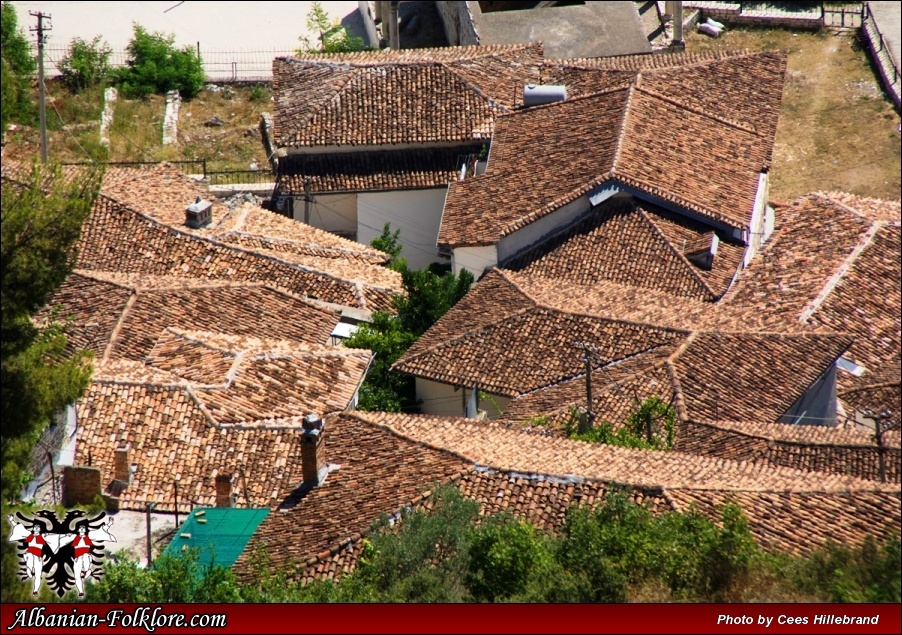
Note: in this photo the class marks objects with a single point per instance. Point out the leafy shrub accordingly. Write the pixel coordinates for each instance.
(333, 37)
(505, 554)
(17, 66)
(649, 427)
(86, 64)
(156, 66)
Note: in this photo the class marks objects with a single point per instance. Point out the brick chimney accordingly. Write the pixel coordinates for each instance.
(313, 451)
(223, 490)
(121, 466)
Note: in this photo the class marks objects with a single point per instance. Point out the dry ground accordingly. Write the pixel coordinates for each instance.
(137, 129)
(837, 130)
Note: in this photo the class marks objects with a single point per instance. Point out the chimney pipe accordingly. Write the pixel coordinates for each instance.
(121, 466)
(313, 451)
(223, 490)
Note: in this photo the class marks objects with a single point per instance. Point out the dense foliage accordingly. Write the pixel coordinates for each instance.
(156, 66)
(616, 552)
(430, 294)
(85, 64)
(41, 220)
(17, 65)
(650, 427)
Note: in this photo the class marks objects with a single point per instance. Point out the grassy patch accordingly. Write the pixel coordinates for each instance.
(73, 121)
(837, 130)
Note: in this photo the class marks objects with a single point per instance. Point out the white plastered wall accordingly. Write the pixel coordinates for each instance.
(417, 213)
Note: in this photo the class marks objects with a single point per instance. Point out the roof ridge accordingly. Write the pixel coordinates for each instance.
(621, 136)
(827, 197)
(697, 110)
(831, 283)
(679, 254)
(212, 240)
(679, 400)
(881, 384)
(108, 350)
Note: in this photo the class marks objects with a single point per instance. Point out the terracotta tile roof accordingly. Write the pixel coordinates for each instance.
(643, 246)
(752, 376)
(524, 332)
(373, 170)
(531, 173)
(380, 473)
(831, 265)
(122, 315)
(877, 397)
(421, 96)
(171, 437)
(117, 238)
(506, 447)
(203, 403)
(626, 130)
(799, 522)
(522, 346)
(710, 377)
(531, 474)
(742, 86)
(812, 448)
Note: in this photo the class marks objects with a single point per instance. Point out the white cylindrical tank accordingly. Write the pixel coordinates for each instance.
(536, 95)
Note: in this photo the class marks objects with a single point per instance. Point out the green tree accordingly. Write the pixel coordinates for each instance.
(41, 222)
(650, 426)
(332, 36)
(17, 65)
(155, 65)
(430, 293)
(86, 64)
(14, 46)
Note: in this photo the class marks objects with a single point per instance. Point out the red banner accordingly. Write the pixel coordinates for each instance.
(446, 618)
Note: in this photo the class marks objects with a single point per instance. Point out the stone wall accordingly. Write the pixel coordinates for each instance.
(731, 13)
(458, 21)
(81, 485)
(52, 440)
(855, 460)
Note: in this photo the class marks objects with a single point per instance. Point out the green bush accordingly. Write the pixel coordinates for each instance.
(155, 66)
(17, 65)
(86, 64)
(649, 427)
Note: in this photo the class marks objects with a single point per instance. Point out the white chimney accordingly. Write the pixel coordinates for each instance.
(199, 213)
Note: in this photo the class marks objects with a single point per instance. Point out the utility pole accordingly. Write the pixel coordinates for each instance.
(150, 506)
(175, 487)
(307, 201)
(590, 415)
(40, 29)
(880, 428)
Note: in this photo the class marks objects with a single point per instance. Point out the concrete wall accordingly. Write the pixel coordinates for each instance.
(457, 19)
(417, 213)
(758, 233)
(443, 400)
(367, 14)
(818, 405)
(474, 259)
(542, 229)
(439, 399)
(335, 213)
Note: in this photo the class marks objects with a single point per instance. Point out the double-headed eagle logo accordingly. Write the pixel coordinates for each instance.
(66, 552)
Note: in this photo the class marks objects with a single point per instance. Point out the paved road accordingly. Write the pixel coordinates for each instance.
(888, 18)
